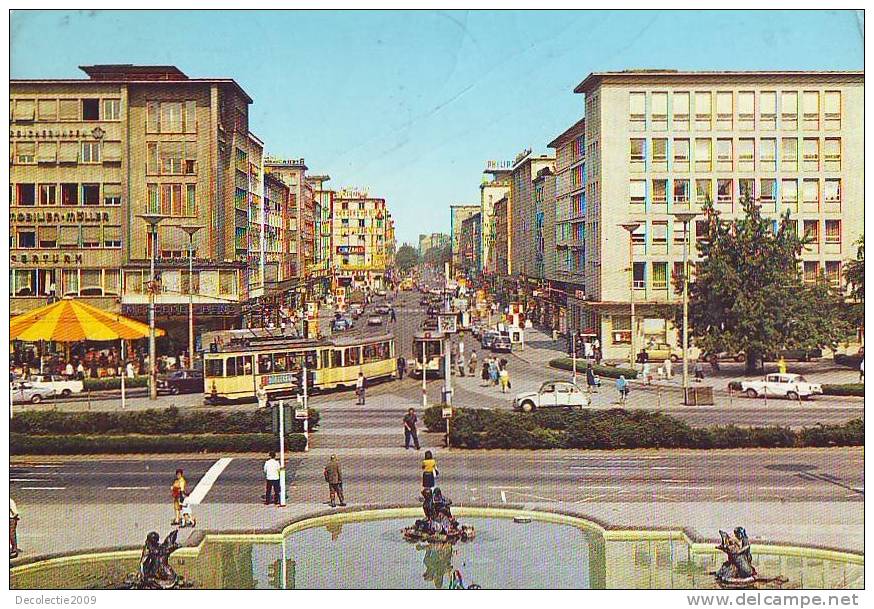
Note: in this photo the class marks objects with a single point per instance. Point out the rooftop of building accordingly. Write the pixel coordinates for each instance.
(666, 75)
(578, 128)
(133, 74)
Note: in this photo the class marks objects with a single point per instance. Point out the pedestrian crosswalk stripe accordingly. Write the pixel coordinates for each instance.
(199, 493)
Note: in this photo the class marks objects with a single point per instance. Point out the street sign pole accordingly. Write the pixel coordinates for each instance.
(424, 375)
(306, 433)
(282, 453)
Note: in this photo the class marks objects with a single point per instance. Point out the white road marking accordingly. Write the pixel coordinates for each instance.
(608, 487)
(27, 480)
(504, 496)
(43, 488)
(665, 467)
(209, 478)
(673, 481)
(497, 488)
(691, 488)
(128, 488)
(781, 488)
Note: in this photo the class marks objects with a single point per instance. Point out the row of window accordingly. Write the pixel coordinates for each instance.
(67, 194)
(813, 190)
(61, 110)
(683, 109)
(658, 278)
(171, 158)
(104, 282)
(66, 237)
(731, 154)
(176, 200)
(89, 152)
(658, 231)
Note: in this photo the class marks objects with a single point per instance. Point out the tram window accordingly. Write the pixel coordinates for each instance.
(370, 354)
(310, 357)
(336, 358)
(353, 356)
(325, 358)
(280, 363)
(231, 368)
(244, 365)
(265, 364)
(383, 351)
(215, 367)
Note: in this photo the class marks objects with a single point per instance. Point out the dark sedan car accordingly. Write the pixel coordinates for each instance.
(181, 381)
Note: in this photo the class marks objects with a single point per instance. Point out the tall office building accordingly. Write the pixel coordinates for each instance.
(457, 215)
(360, 247)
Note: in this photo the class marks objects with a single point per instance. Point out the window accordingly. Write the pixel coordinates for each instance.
(25, 194)
(789, 110)
(768, 110)
(112, 236)
(153, 123)
(48, 237)
(811, 231)
(111, 281)
(681, 191)
(833, 272)
(681, 155)
(68, 109)
(832, 154)
(703, 191)
(47, 152)
(789, 191)
(26, 237)
(659, 112)
(810, 108)
(637, 192)
(811, 271)
(90, 236)
(701, 231)
(170, 157)
(111, 151)
(724, 155)
(768, 154)
(811, 154)
(190, 200)
(154, 201)
(724, 111)
(703, 110)
(112, 194)
(24, 110)
(90, 110)
(48, 194)
(745, 188)
(810, 192)
(833, 231)
(659, 233)
(659, 154)
(746, 154)
(638, 154)
(68, 152)
(190, 116)
(25, 152)
(832, 190)
(789, 156)
(171, 199)
(47, 109)
(659, 191)
(171, 117)
(90, 194)
(152, 158)
(832, 109)
(68, 236)
(90, 152)
(111, 109)
(189, 158)
(678, 232)
(746, 110)
(681, 111)
(23, 282)
(659, 275)
(621, 329)
(724, 191)
(637, 111)
(639, 278)
(638, 235)
(768, 190)
(227, 283)
(703, 158)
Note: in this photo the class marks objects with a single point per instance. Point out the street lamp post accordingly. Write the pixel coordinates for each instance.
(685, 217)
(190, 230)
(631, 226)
(152, 220)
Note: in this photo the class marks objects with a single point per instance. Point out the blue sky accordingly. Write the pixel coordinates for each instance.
(412, 104)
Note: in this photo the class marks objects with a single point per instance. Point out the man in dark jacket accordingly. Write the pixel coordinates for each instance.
(402, 367)
(410, 432)
(334, 478)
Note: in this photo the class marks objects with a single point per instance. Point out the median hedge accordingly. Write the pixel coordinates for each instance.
(619, 428)
(114, 382)
(151, 422)
(83, 444)
(567, 363)
(853, 389)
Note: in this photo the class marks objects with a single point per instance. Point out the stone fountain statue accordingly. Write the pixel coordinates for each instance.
(738, 571)
(155, 571)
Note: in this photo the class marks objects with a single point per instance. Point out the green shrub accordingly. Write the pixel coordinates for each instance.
(566, 363)
(856, 389)
(433, 419)
(772, 437)
(114, 382)
(851, 433)
(82, 444)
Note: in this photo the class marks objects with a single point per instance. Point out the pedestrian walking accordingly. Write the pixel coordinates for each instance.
(402, 367)
(461, 365)
(393, 315)
(187, 519)
(505, 379)
(334, 478)
(360, 385)
(14, 517)
(410, 432)
(591, 380)
(669, 365)
(485, 374)
(471, 367)
(622, 388)
(699, 370)
(177, 490)
(781, 365)
(493, 372)
(271, 479)
(429, 470)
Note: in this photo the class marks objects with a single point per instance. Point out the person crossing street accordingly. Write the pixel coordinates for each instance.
(410, 431)
(334, 478)
(271, 477)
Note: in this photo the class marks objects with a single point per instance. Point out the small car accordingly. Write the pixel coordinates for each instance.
(340, 324)
(374, 320)
(382, 310)
(181, 381)
(25, 393)
(355, 310)
(488, 338)
(501, 344)
(792, 386)
(659, 352)
(62, 385)
(552, 394)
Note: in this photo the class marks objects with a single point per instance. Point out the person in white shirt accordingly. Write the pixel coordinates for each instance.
(68, 370)
(271, 476)
(14, 517)
(359, 388)
(129, 370)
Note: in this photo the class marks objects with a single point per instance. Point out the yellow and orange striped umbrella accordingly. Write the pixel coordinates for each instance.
(70, 321)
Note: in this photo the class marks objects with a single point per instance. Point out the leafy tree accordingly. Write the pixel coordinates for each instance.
(854, 274)
(748, 292)
(406, 258)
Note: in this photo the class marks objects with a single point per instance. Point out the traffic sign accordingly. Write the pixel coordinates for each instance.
(447, 323)
(447, 412)
(300, 413)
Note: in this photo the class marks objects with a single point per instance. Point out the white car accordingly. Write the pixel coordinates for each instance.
(376, 320)
(24, 392)
(62, 385)
(792, 386)
(552, 394)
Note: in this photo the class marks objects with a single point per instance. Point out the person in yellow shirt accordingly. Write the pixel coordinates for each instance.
(781, 365)
(178, 491)
(429, 470)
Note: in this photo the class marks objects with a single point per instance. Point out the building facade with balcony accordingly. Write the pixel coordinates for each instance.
(662, 141)
(359, 244)
(88, 156)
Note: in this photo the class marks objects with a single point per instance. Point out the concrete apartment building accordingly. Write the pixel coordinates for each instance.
(430, 241)
(469, 245)
(659, 141)
(360, 248)
(90, 155)
(499, 253)
(566, 274)
(324, 202)
(277, 260)
(524, 270)
(495, 185)
(457, 215)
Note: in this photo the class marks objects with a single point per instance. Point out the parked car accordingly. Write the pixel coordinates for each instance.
(792, 386)
(659, 352)
(374, 320)
(340, 324)
(355, 310)
(552, 394)
(382, 310)
(62, 385)
(739, 357)
(488, 338)
(502, 344)
(181, 381)
(25, 393)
